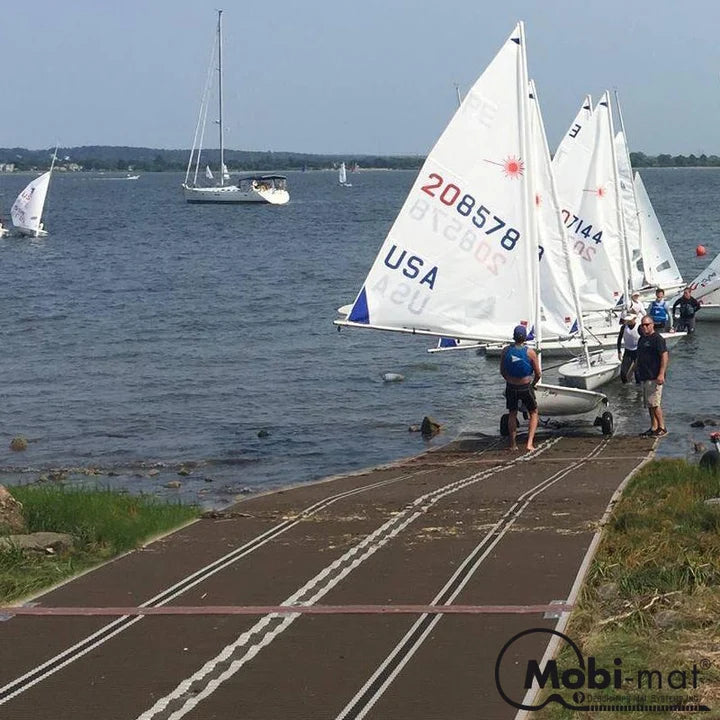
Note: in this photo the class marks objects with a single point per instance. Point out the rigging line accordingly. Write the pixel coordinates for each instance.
(202, 116)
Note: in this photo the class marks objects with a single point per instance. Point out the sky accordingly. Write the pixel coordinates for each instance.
(340, 77)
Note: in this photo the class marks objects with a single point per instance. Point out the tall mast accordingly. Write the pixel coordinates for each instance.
(531, 244)
(632, 185)
(220, 100)
(625, 265)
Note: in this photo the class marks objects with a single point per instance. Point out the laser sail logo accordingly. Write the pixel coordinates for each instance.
(585, 684)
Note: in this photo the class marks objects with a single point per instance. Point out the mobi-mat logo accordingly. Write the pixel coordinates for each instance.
(580, 683)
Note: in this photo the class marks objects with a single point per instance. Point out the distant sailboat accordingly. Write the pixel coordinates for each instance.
(27, 209)
(342, 176)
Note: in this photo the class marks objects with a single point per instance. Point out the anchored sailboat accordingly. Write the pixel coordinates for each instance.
(269, 188)
(461, 259)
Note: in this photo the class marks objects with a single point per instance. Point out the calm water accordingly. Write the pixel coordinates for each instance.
(147, 331)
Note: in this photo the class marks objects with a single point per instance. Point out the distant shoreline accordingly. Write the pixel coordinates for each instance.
(106, 158)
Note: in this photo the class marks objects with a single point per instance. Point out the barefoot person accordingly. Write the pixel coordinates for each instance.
(652, 361)
(520, 367)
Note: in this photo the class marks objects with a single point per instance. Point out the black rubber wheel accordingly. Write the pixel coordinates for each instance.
(504, 430)
(606, 423)
(710, 461)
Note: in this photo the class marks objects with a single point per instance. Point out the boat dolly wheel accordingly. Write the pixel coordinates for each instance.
(607, 424)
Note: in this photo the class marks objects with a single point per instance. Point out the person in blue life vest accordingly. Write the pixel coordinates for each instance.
(684, 309)
(652, 362)
(659, 311)
(520, 367)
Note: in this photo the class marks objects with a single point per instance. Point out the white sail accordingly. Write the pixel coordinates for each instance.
(225, 172)
(27, 209)
(458, 260)
(661, 269)
(342, 174)
(630, 212)
(558, 297)
(589, 202)
(711, 274)
(208, 173)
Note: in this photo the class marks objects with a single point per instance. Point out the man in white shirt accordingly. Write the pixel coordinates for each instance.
(636, 307)
(628, 336)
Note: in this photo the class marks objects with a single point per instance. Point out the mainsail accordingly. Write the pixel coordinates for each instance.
(27, 209)
(587, 189)
(558, 295)
(661, 269)
(460, 259)
(628, 202)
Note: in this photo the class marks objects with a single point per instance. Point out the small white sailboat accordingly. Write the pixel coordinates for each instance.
(598, 251)
(706, 290)
(342, 176)
(461, 259)
(268, 188)
(27, 210)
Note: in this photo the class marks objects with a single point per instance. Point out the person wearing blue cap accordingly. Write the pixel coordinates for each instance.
(520, 367)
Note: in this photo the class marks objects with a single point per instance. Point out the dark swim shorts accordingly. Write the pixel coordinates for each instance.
(515, 394)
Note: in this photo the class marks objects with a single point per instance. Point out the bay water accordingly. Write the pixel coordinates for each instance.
(146, 337)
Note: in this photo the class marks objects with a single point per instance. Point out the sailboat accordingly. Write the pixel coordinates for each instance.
(461, 259)
(342, 176)
(27, 210)
(706, 290)
(267, 188)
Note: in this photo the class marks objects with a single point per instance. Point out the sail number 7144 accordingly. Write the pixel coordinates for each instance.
(481, 217)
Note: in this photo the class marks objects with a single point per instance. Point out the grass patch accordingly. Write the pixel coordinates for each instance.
(103, 523)
(652, 597)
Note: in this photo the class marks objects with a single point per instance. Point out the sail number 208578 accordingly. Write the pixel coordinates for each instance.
(481, 217)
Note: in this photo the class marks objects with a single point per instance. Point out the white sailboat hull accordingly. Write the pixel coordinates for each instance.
(233, 194)
(555, 400)
(710, 312)
(573, 347)
(604, 368)
(30, 232)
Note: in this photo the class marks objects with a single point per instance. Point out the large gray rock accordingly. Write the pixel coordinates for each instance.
(44, 542)
(11, 517)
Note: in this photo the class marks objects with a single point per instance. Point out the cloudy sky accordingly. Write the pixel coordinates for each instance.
(375, 76)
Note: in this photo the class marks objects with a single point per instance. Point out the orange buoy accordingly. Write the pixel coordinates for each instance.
(700, 250)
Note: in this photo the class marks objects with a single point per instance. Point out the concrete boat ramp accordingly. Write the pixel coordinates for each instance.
(405, 583)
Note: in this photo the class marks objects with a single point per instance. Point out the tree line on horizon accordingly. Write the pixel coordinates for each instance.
(114, 158)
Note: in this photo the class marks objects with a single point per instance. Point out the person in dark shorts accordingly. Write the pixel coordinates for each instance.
(520, 367)
(652, 361)
(683, 310)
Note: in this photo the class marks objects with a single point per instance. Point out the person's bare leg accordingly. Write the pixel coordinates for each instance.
(512, 429)
(659, 417)
(532, 427)
(653, 418)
